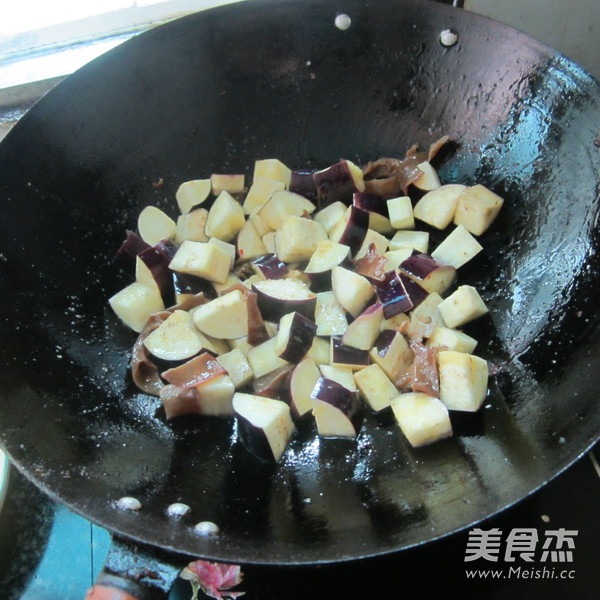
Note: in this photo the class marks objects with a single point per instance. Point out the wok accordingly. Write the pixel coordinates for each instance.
(212, 92)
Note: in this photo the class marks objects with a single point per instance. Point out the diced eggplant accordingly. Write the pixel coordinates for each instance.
(372, 238)
(237, 366)
(364, 330)
(302, 382)
(428, 273)
(353, 291)
(295, 337)
(476, 209)
(274, 384)
(462, 306)
(263, 359)
(400, 211)
(259, 193)
(425, 317)
(186, 286)
(320, 350)
(331, 215)
(192, 226)
(347, 356)
(203, 260)
(343, 375)
(329, 315)
(249, 242)
(337, 410)
(232, 279)
(270, 266)
(303, 183)
(283, 204)
(277, 297)
(429, 179)
(396, 257)
(376, 206)
(154, 225)
(269, 242)
(225, 317)
(451, 339)
(264, 425)
(416, 292)
(194, 372)
(457, 249)
(395, 322)
(191, 194)
(175, 339)
(232, 184)
(135, 303)
(393, 295)
(463, 380)
(229, 248)
(339, 182)
(437, 207)
(422, 418)
(125, 257)
(418, 240)
(392, 353)
(298, 238)
(154, 263)
(272, 168)
(375, 387)
(351, 229)
(225, 218)
(327, 255)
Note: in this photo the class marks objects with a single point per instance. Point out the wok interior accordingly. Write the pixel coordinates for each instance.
(182, 102)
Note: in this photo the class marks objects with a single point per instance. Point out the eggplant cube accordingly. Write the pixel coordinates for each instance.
(375, 387)
(477, 208)
(351, 229)
(249, 242)
(396, 257)
(191, 194)
(426, 317)
(401, 212)
(237, 366)
(457, 249)
(215, 396)
(428, 273)
(225, 317)
(135, 303)
(429, 180)
(327, 255)
(283, 204)
(302, 382)
(343, 375)
(272, 168)
(372, 237)
(154, 225)
(264, 425)
(175, 338)
(462, 306)
(352, 290)
(225, 218)
(229, 248)
(339, 181)
(463, 380)
(298, 238)
(364, 330)
(232, 184)
(392, 353)
(451, 339)
(277, 297)
(202, 259)
(259, 193)
(192, 226)
(263, 358)
(417, 240)
(329, 315)
(320, 351)
(331, 215)
(437, 207)
(422, 418)
(295, 337)
(341, 355)
(336, 409)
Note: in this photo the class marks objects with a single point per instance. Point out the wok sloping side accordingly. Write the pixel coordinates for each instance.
(211, 93)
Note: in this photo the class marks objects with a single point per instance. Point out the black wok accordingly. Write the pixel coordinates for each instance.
(213, 92)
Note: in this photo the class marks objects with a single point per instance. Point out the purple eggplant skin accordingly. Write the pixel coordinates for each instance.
(272, 309)
(415, 292)
(371, 203)
(254, 439)
(275, 384)
(419, 265)
(335, 183)
(348, 354)
(183, 283)
(301, 336)
(271, 266)
(303, 183)
(384, 340)
(345, 400)
(356, 229)
(392, 293)
(130, 248)
(157, 259)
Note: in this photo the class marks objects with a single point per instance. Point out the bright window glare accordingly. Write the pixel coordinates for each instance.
(28, 15)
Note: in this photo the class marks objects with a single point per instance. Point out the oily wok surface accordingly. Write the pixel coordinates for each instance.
(212, 93)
